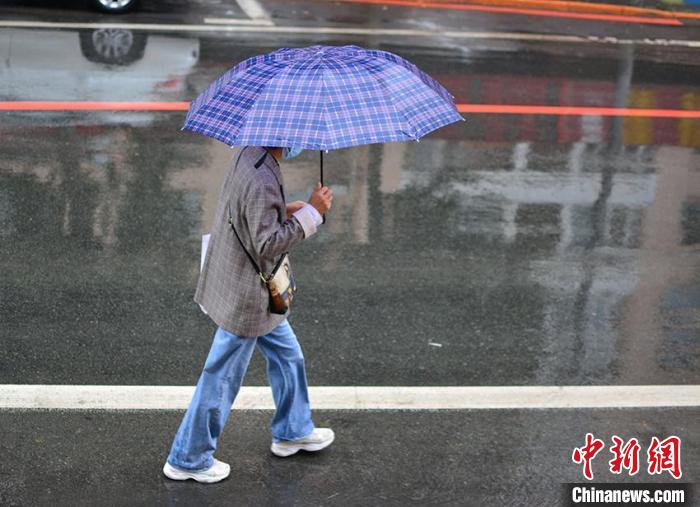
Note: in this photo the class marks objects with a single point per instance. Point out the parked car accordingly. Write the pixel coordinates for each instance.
(105, 64)
(115, 6)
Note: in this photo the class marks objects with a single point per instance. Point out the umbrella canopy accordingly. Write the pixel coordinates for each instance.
(321, 98)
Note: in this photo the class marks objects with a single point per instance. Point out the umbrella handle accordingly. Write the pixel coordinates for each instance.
(321, 152)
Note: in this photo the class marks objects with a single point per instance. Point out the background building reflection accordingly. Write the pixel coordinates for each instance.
(558, 247)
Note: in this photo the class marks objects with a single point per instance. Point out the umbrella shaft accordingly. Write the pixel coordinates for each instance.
(321, 152)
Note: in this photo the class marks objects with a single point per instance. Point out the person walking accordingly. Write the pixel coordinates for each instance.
(231, 292)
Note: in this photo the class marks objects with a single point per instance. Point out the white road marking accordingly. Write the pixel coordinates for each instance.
(238, 21)
(36, 396)
(253, 9)
(310, 30)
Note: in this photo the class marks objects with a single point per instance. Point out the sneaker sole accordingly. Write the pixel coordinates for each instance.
(181, 475)
(288, 450)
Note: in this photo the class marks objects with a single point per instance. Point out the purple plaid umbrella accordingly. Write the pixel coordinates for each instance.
(321, 98)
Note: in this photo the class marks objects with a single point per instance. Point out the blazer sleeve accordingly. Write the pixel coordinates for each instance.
(263, 208)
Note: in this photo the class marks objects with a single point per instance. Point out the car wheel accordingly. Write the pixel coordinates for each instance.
(115, 6)
(113, 46)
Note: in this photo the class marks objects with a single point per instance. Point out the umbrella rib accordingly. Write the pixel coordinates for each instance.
(384, 89)
(214, 88)
(326, 131)
(430, 89)
(390, 100)
(262, 90)
(427, 79)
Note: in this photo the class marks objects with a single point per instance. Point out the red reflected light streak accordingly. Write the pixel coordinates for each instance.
(462, 108)
(525, 11)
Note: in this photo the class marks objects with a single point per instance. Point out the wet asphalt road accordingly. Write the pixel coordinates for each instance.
(506, 250)
(477, 458)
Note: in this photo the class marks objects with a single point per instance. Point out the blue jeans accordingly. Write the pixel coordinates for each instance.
(195, 442)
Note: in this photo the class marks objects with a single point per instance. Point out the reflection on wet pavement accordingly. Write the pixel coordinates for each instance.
(533, 249)
(453, 457)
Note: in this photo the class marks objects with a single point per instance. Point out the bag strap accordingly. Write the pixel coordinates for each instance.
(255, 264)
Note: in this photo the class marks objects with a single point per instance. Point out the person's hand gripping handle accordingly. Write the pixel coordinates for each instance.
(321, 199)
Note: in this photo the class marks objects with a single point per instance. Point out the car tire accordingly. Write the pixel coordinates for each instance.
(113, 46)
(114, 6)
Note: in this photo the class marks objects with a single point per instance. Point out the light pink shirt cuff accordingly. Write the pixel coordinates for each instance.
(309, 218)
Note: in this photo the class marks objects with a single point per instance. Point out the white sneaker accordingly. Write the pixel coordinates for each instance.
(218, 471)
(318, 439)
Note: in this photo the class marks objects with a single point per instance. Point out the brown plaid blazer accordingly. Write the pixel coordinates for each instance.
(229, 288)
